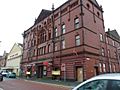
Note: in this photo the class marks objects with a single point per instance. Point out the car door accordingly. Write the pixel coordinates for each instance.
(113, 85)
(94, 85)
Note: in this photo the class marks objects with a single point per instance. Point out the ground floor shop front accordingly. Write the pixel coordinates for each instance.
(76, 69)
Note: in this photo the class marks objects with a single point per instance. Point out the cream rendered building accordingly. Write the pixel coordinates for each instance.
(14, 58)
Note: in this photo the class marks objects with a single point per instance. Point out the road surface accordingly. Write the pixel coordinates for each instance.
(17, 84)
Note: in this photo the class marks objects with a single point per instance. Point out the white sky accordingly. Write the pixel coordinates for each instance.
(18, 15)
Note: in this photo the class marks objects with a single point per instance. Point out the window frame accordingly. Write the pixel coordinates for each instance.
(63, 44)
(103, 51)
(63, 27)
(76, 23)
(77, 40)
(101, 37)
(56, 32)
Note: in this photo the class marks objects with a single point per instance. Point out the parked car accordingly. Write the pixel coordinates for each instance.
(4, 72)
(11, 75)
(101, 82)
(1, 77)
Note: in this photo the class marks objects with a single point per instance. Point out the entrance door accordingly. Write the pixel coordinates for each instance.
(79, 74)
(40, 72)
(96, 72)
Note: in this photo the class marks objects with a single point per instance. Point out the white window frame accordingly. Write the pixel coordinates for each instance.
(56, 32)
(103, 52)
(101, 37)
(77, 40)
(63, 44)
(63, 29)
(76, 23)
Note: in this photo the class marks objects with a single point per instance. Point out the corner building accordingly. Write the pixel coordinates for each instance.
(68, 43)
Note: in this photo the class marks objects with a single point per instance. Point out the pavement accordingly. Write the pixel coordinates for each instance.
(63, 83)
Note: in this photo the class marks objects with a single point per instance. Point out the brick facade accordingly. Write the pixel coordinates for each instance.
(73, 35)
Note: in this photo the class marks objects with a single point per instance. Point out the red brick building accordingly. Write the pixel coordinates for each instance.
(70, 42)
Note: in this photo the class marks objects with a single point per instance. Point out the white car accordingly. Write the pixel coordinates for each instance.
(4, 73)
(101, 82)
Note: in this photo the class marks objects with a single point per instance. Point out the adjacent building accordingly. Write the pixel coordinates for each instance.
(70, 43)
(3, 59)
(14, 58)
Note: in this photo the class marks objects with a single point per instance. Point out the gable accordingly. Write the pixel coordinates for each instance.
(43, 14)
(15, 51)
(114, 34)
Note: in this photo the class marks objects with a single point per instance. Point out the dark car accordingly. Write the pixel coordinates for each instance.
(11, 75)
(1, 77)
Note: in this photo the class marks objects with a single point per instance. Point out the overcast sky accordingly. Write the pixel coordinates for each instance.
(16, 16)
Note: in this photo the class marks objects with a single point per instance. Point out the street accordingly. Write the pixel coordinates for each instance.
(18, 84)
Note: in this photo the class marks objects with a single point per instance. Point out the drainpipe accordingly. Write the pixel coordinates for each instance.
(53, 36)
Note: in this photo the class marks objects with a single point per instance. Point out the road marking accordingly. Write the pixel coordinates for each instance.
(1, 89)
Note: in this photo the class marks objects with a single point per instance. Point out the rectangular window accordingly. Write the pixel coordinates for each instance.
(107, 40)
(115, 54)
(77, 40)
(49, 35)
(49, 48)
(103, 52)
(56, 32)
(63, 29)
(63, 44)
(104, 67)
(113, 42)
(101, 37)
(76, 23)
(44, 49)
(55, 46)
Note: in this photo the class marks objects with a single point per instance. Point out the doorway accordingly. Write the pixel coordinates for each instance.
(40, 72)
(96, 71)
(79, 74)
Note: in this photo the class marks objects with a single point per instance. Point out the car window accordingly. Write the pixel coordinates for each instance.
(114, 85)
(94, 85)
